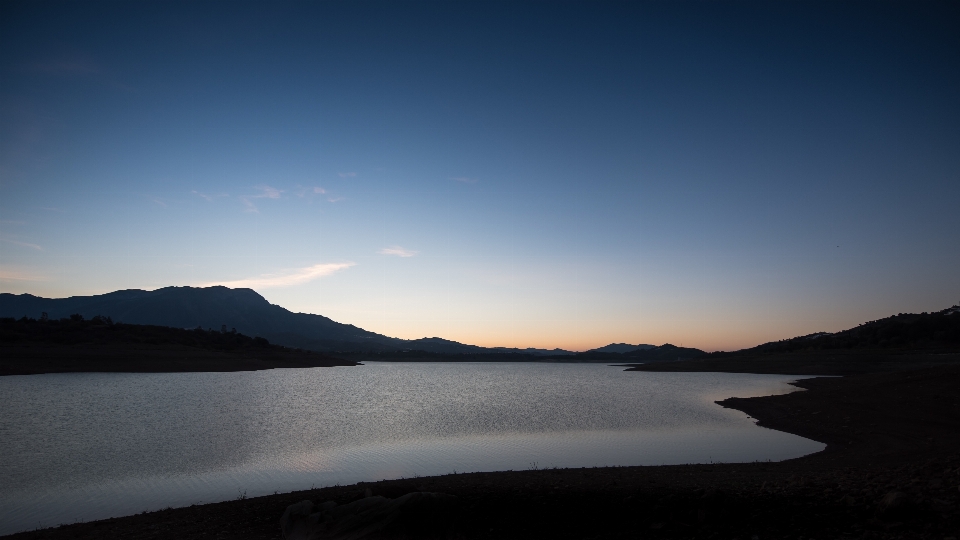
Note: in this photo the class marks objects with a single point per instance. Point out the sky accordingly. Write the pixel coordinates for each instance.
(524, 174)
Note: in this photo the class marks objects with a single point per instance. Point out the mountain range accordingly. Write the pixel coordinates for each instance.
(939, 330)
(241, 309)
(246, 312)
(621, 348)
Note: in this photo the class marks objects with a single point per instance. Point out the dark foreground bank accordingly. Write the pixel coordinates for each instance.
(891, 470)
(74, 344)
(827, 362)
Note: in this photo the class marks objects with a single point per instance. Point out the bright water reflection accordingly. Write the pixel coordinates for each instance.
(91, 445)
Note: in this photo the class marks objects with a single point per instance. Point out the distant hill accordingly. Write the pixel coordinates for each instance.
(649, 354)
(903, 341)
(663, 353)
(446, 346)
(620, 348)
(240, 309)
(209, 307)
(914, 331)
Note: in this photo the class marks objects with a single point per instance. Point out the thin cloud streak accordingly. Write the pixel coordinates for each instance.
(24, 244)
(267, 192)
(347, 174)
(398, 251)
(304, 191)
(250, 207)
(297, 276)
(208, 197)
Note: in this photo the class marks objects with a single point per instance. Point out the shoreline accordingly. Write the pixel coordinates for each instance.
(817, 363)
(39, 359)
(42, 360)
(890, 432)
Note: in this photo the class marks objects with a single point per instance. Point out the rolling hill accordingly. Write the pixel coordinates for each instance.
(241, 309)
(620, 348)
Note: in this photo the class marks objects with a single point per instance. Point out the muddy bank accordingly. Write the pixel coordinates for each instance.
(872, 418)
(891, 470)
(828, 362)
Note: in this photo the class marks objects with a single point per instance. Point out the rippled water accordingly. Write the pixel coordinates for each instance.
(85, 446)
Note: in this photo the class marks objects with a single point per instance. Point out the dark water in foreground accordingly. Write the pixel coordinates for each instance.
(87, 446)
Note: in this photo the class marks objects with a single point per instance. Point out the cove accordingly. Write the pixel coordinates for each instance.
(86, 446)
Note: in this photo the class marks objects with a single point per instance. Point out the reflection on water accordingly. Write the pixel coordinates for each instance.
(92, 445)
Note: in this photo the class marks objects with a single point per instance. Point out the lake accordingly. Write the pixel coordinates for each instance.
(85, 446)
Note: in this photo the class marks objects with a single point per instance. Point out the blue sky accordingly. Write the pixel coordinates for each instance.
(521, 174)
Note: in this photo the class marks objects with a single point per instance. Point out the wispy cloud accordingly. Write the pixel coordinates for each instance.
(289, 278)
(305, 191)
(464, 179)
(206, 196)
(398, 251)
(347, 174)
(267, 192)
(160, 202)
(335, 199)
(23, 244)
(249, 206)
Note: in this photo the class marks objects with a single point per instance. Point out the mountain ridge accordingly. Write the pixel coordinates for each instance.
(206, 307)
(242, 309)
(938, 329)
(621, 348)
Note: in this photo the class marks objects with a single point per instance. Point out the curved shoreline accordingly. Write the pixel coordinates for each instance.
(885, 433)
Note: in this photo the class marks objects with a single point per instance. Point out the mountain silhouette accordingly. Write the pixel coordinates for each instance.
(621, 348)
(663, 353)
(937, 330)
(241, 309)
(207, 307)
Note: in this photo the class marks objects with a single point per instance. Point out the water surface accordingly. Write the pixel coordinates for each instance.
(84, 446)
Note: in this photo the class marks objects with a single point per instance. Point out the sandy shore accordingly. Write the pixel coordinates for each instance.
(886, 433)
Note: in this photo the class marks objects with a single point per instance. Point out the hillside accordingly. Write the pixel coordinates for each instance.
(242, 309)
(620, 348)
(74, 344)
(252, 315)
(209, 307)
(902, 341)
(902, 331)
(648, 354)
